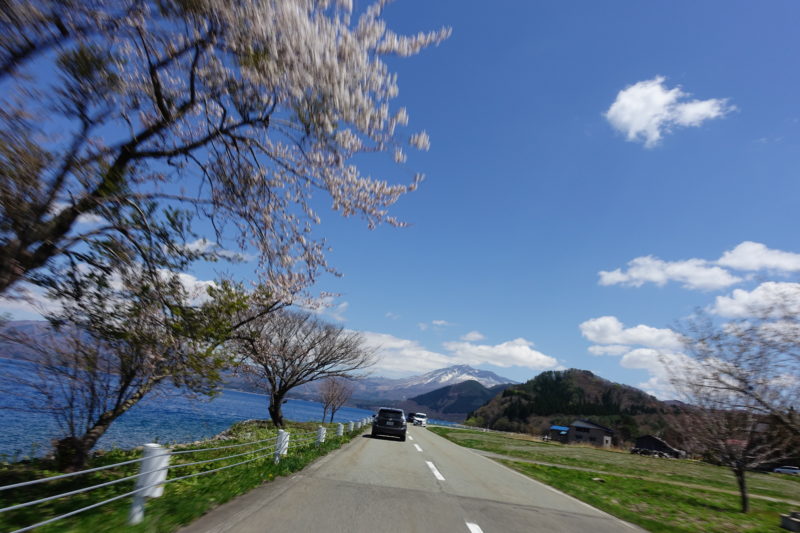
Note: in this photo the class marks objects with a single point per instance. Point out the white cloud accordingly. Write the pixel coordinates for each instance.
(196, 288)
(326, 306)
(609, 330)
(768, 295)
(642, 348)
(660, 387)
(401, 357)
(692, 273)
(660, 365)
(203, 245)
(646, 110)
(27, 302)
(643, 358)
(435, 324)
(473, 336)
(85, 218)
(337, 313)
(517, 352)
(392, 316)
(200, 245)
(751, 255)
(612, 349)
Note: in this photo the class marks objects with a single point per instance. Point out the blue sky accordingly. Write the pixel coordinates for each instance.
(569, 139)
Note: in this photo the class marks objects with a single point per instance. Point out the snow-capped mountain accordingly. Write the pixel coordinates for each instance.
(376, 388)
(450, 376)
(400, 389)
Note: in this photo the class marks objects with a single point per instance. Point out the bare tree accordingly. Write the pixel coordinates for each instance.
(114, 340)
(740, 379)
(334, 393)
(285, 349)
(753, 360)
(719, 428)
(127, 118)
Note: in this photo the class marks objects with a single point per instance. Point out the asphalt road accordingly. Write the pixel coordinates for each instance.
(425, 484)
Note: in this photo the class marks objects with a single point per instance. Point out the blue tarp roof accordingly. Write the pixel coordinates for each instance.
(559, 428)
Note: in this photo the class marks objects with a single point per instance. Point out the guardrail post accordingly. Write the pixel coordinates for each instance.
(358, 424)
(339, 430)
(349, 427)
(154, 472)
(280, 444)
(321, 435)
(285, 447)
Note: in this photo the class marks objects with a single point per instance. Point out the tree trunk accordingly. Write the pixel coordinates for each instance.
(742, 489)
(72, 453)
(275, 403)
(324, 413)
(333, 412)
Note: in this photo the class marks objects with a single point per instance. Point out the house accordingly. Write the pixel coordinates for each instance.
(652, 445)
(559, 433)
(583, 431)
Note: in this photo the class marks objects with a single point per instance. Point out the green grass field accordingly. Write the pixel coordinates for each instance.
(660, 495)
(182, 502)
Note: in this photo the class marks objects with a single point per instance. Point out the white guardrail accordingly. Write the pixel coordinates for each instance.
(154, 469)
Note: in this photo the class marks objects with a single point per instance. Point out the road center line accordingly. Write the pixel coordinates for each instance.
(410, 437)
(436, 473)
(417, 447)
(474, 528)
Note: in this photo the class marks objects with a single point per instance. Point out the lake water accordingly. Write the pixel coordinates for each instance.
(163, 418)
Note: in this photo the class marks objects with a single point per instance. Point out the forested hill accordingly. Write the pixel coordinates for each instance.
(458, 399)
(559, 397)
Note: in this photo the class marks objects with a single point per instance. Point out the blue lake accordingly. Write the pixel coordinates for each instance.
(162, 417)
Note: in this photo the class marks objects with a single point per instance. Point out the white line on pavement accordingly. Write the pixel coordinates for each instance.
(474, 528)
(417, 447)
(410, 437)
(551, 489)
(436, 473)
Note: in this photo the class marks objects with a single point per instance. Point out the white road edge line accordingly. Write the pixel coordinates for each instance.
(417, 447)
(474, 528)
(576, 500)
(436, 473)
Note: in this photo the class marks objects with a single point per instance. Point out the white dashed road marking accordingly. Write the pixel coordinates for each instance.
(417, 447)
(474, 528)
(436, 473)
(410, 437)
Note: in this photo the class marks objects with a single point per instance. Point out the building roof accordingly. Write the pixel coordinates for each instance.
(590, 425)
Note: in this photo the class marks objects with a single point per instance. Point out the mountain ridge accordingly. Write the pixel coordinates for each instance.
(560, 397)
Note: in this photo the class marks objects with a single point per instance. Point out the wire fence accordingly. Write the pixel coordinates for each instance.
(155, 469)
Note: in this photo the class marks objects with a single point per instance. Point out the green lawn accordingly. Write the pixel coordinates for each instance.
(644, 490)
(182, 502)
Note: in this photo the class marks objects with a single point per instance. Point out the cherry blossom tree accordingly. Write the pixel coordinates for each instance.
(117, 337)
(333, 394)
(134, 118)
(741, 380)
(285, 349)
(753, 361)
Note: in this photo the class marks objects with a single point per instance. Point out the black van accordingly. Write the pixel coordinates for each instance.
(389, 422)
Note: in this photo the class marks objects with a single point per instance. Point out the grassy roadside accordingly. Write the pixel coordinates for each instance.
(643, 490)
(182, 502)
